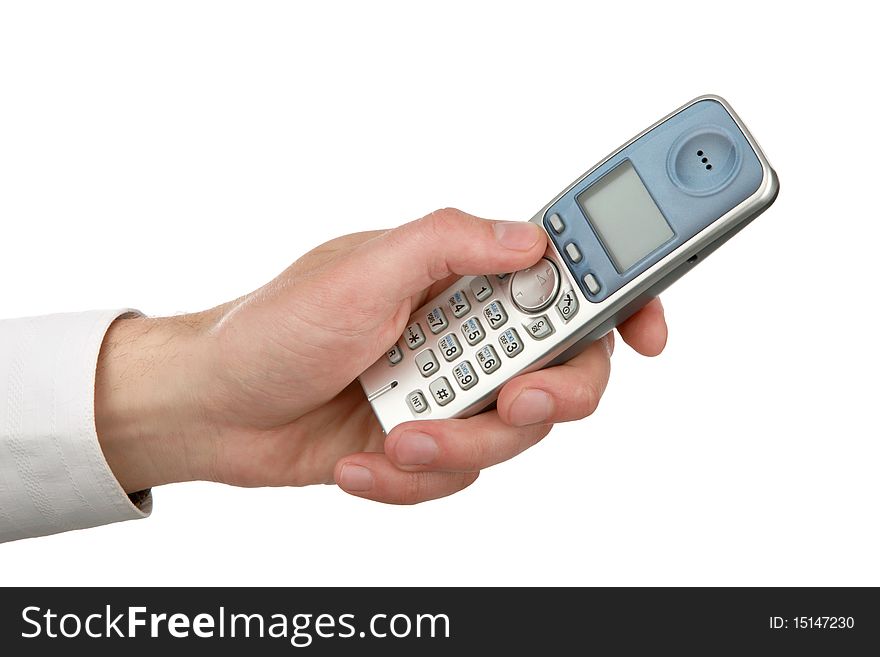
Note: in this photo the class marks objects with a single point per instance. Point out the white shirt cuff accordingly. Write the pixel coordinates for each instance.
(53, 475)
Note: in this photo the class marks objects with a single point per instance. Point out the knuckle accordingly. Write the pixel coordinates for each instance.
(415, 489)
(588, 399)
(446, 220)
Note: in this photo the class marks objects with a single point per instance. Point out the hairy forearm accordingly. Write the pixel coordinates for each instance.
(148, 413)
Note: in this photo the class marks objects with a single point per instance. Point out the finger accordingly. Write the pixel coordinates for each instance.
(406, 260)
(570, 391)
(646, 331)
(467, 445)
(374, 477)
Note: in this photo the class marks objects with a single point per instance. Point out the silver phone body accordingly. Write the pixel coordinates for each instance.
(387, 386)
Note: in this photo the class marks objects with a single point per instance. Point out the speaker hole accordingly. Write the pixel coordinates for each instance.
(708, 167)
(704, 160)
(699, 153)
(693, 259)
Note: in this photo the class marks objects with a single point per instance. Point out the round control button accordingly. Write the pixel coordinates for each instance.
(535, 288)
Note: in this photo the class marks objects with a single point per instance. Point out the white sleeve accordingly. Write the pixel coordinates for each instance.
(53, 475)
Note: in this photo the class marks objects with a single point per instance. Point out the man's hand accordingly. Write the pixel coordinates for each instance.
(262, 391)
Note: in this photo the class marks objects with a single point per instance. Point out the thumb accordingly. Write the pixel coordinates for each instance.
(407, 260)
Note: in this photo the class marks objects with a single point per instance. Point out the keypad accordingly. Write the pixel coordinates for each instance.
(458, 303)
(427, 362)
(465, 375)
(417, 402)
(437, 320)
(480, 288)
(488, 359)
(495, 314)
(414, 336)
(473, 331)
(567, 305)
(510, 343)
(442, 391)
(395, 355)
(479, 322)
(449, 346)
(539, 328)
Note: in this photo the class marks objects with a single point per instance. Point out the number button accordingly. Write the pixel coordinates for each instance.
(567, 306)
(450, 347)
(442, 391)
(540, 327)
(510, 343)
(488, 359)
(437, 320)
(417, 402)
(480, 288)
(473, 331)
(495, 314)
(395, 355)
(415, 338)
(458, 303)
(427, 362)
(465, 376)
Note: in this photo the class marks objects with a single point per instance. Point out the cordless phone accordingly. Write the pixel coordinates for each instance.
(618, 236)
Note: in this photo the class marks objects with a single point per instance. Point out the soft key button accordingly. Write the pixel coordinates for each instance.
(573, 253)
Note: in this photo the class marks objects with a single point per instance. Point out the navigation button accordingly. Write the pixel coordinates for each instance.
(535, 288)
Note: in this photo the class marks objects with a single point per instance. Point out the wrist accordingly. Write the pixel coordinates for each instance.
(149, 417)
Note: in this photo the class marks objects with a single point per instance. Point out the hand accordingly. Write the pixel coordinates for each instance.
(262, 391)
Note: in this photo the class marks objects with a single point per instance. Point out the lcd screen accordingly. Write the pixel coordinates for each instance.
(624, 216)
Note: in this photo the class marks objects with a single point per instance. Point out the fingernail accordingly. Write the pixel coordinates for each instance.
(517, 235)
(609, 343)
(355, 478)
(531, 407)
(415, 448)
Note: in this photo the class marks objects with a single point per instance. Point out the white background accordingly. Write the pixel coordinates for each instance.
(173, 155)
